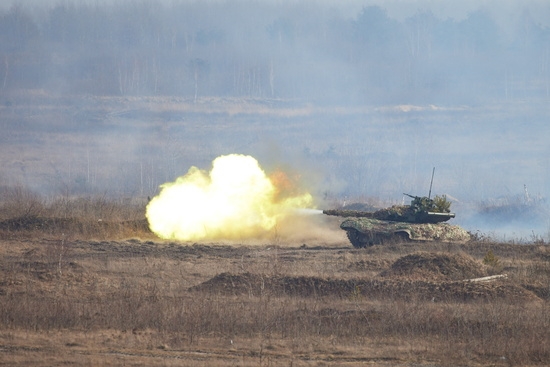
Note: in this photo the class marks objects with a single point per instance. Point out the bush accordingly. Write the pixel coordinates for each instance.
(442, 204)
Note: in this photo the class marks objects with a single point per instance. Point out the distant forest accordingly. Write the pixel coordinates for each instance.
(253, 49)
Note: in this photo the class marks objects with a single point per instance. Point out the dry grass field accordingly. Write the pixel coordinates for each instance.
(78, 291)
(84, 282)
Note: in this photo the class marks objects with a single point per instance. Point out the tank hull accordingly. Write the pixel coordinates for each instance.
(364, 232)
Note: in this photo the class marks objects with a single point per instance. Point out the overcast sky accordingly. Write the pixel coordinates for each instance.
(399, 9)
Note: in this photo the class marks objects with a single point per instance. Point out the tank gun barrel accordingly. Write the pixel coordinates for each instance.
(348, 213)
(444, 216)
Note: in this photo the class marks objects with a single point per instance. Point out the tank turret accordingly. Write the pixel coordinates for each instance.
(421, 210)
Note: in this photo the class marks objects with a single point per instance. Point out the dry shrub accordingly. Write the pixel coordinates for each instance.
(97, 208)
(20, 202)
(23, 212)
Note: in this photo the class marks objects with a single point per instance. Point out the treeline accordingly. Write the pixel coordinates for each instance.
(268, 50)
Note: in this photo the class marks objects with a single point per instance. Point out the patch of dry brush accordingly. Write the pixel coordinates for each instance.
(23, 212)
(157, 302)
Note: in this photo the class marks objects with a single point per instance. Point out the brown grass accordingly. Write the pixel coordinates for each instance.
(23, 212)
(72, 294)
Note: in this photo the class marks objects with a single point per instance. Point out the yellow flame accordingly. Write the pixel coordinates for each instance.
(235, 200)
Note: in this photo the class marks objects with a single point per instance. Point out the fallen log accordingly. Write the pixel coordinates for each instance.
(486, 279)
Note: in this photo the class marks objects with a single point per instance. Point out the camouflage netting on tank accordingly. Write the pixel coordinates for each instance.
(415, 212)
(395, 212)
(418, 232)
(439, 232)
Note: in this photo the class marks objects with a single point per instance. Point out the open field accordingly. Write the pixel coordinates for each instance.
(84, 282)
(115, 117)
(81, 293)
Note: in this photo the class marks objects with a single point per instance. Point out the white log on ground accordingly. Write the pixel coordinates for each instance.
(486, 279)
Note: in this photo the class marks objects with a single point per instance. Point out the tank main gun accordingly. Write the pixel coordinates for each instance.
(348, 213)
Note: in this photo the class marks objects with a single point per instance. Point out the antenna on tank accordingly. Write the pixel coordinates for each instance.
(431, 183)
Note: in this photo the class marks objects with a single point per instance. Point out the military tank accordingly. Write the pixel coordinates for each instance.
(423, 220)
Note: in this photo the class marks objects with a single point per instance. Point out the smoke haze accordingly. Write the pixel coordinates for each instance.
(361, 99)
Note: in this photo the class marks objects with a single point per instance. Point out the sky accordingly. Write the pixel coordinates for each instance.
(396, 8)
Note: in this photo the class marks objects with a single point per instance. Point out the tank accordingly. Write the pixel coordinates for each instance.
(423, 220)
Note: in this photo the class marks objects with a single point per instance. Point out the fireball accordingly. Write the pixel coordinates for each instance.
(235, 200)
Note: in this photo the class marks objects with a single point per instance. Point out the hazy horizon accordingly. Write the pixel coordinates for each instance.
(363, 97)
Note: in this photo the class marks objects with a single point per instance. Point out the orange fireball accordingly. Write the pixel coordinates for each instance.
(235, 200)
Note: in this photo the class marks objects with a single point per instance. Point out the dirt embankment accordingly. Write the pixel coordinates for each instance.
(420, 276)
(436, 267)
(77, 227)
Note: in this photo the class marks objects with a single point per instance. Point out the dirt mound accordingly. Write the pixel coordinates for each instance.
(370, 264)
(258, 284)
(395, 289)
(540, 289)
(436, 267)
